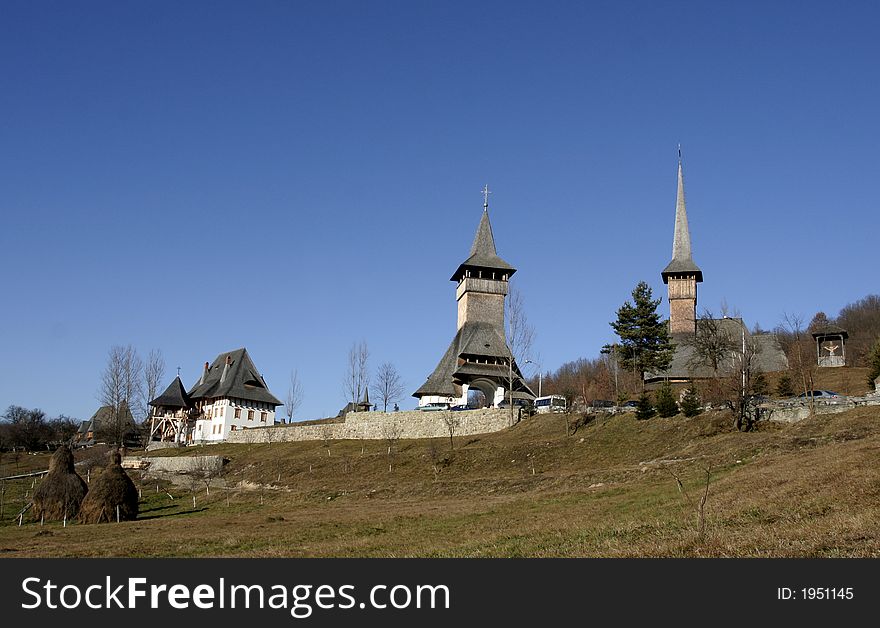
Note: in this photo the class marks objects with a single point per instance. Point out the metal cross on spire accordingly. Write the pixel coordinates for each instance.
(486, 194)
(178, 371)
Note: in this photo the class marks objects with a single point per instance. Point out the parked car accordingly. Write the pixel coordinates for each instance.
(820, 394)
(602, 403)
(632, 403)
(461, 406)
(432, 407)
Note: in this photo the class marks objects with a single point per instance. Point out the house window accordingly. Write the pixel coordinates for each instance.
(233, 428)
(238, 413)
(263, 417)
(250, 415)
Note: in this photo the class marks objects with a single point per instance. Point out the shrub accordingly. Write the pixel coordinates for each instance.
(690, 402)
(645, 409)
(664, 400)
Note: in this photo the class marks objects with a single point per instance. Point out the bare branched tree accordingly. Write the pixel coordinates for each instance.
(392, 431)
(294, 396)
(452, 423)
(120, 390)
(154, 373)
(520, 337)
(357, 375)
(798, 346)
(389, 386)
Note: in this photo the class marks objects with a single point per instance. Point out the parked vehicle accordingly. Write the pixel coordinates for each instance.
(461, 406)
(433, 407)
(820, 394)
(550, 403)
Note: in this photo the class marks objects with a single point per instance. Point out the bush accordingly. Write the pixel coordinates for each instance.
(874, 364)
(645, 409)
(690, 403)
(664, 400)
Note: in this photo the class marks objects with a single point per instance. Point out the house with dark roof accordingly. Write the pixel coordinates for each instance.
(230, 395)
(478, 358)
(108, 425)
(681, 276)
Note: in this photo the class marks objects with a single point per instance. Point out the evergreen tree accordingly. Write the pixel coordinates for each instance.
(760, 385)
(783, 386)
(645, 409)
(664, 400)
(874, 363)
(690, 403)
(644, 338)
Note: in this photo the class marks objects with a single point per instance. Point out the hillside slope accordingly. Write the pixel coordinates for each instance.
(809, 489)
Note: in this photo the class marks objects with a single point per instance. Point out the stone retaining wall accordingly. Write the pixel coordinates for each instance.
(379, 425)
(178, 464)
(792, 412)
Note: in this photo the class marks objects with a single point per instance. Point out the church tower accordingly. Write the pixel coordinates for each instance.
(482, 279)
(478, 358)
(681, 274)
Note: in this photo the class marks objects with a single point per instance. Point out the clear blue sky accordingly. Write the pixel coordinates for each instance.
(294, 177)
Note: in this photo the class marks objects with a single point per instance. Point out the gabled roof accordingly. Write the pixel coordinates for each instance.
(233, 374)
(174, 396)
(474, 339)
(483, 254)
(830, 330)
(686, 364)
(682, 260)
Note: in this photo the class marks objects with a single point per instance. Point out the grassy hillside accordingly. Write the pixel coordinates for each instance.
(810, 489)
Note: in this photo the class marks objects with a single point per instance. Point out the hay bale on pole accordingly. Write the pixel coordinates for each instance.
(111, 494)
(60, 494)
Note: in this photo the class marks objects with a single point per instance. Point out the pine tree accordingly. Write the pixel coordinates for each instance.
(760, 385)
(644, 338)
(690, 403)
(874, 364)
(645, 409)
(664, 400)
(783, 386)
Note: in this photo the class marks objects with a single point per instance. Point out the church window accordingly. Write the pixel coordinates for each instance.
(263, 417)
(238, 413)
(250, 415)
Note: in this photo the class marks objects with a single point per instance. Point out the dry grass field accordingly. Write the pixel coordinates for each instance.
(808, 489)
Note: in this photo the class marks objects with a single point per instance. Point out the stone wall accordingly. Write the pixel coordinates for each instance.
(792, 412)
(177, 464)
(378, 425)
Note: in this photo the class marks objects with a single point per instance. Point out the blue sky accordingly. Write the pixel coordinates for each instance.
(294, 177)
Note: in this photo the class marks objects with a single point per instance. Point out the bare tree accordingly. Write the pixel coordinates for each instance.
(452, 423)
(327, 437)
(294, 396)
(120, 390)
(520, 337)
(800, 353)
(391, 431)
(357, 374)
(389, 386)
(154, 373)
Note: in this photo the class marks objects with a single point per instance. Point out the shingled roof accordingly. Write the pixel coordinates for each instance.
(474, 339)
(483, 254)
(682, 260)
(174, 396)
(686, 365)
(233, 374)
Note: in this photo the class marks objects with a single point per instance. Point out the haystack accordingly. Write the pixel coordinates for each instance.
(61, 492)
(112, 489)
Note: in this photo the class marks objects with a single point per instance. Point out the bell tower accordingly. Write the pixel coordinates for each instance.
(482, 278)
(682, 275)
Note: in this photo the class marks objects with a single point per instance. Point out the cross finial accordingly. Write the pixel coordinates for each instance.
(679, 151)
(486, 194)
(178, 371)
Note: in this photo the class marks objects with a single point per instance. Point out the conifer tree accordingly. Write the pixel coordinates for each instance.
(644, 338)
(664, 400)
(644, 409)
(690, 403)
(783, 386)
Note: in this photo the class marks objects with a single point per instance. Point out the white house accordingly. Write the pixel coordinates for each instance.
(231, 395)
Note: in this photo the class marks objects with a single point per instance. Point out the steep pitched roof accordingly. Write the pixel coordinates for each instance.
(477, 339)
(483, 253)
(682, 260)
(174, 396)
(686, 364)
(233, 374)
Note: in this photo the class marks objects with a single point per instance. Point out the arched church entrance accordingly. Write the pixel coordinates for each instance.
(481, 393)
